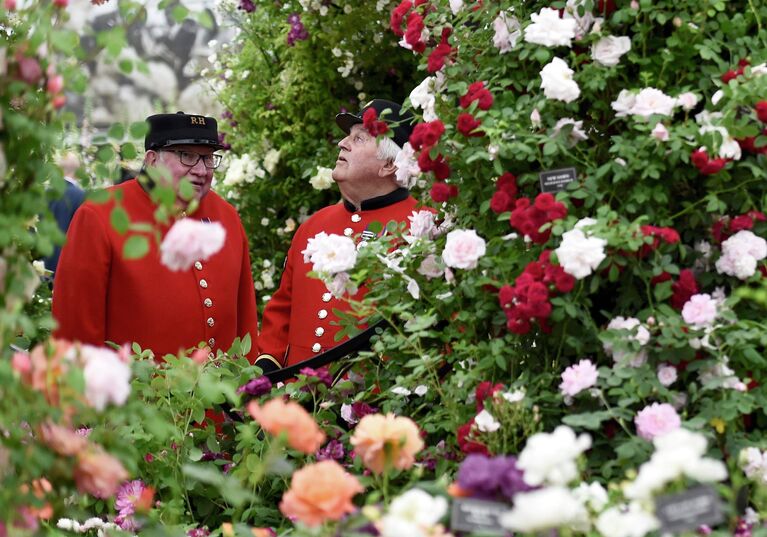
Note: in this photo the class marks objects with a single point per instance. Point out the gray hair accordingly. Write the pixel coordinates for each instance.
(387, 149)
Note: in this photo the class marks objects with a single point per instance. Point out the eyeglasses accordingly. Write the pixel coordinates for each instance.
(188, 158)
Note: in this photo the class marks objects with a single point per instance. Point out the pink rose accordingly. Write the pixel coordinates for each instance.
(660, 132)
(29, 70)
(699, 311)
(21, 362)
(463, 249)
(667, 374)
(55, 84)
(656, 419)
(189, 241)
(578, 377)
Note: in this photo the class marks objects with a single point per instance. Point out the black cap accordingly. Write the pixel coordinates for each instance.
(403, 121)
(180, 128)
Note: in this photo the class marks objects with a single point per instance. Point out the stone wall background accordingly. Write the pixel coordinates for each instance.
(174, 53)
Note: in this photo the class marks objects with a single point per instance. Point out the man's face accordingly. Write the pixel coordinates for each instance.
(357, 158)
(174, 158)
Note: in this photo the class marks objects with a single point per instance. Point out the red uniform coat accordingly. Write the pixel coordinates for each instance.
(99, 296)
(296, 323)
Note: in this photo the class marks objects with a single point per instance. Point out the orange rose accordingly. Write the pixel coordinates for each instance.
(99, 474)
(320, 492)
(277, 416)
(385, 442)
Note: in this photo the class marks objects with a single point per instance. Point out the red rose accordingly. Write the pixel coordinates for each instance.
(413, 33)
(371, 123)
(398, 16)
(683, 289)
(477, 92)
(761, 111)
(466, 444)
(426, 134)
(484, 390)
(467, 125)
(500, 202)
(714, 166)
(729, 75)
(699, 158)
(437, 57)
(508, 183)
(440, 192)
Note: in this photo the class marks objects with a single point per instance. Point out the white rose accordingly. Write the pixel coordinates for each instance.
(651, 101)
(486, 423)
(463, 249)
(534, 511)
(550, 457)
(456, 6)
(687, 100)
(330, 253)
(408, 171)
(507, 33)
(624, 104)
(608, 50)
(423, 97)
(557, 81)
(323, 179)
(549, 30)
(576, 134)
(630, 522)
(580, 255)
(422, 224)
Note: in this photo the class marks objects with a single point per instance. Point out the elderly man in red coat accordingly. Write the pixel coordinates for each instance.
(99, 296)
(298, 320)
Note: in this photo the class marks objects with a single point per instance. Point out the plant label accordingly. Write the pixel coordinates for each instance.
(553, 181)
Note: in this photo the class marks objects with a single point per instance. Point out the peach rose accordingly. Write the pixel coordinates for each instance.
(98, 473)
(62, 440)
(385, 442)
(277, 416)
(320, 492)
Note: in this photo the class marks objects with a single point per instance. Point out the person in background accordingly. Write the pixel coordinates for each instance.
(63, 208)
(298, 321)
(100, 296)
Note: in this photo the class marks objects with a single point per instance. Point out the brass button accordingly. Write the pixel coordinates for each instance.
(319, 331)
(211, 355)
(356, 218)
(198, 265)
(348, 231)
(208, 303)
(316, 347)
(326, 297)
(212, 341)
(322, 314)
(203, 284)
(211, 321)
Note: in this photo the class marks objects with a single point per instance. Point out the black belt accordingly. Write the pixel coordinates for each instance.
(358, 343)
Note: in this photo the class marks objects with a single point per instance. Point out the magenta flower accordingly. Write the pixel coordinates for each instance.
(125, 502)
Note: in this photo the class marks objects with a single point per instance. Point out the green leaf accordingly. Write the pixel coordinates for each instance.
(117, 131)
(65, 40)
(126, 66)
(99, 196)
(205, 20)
(229, 487)
(128, 151)
(135, 247)
(138, 129)
(588, 420)
(106, 153)
(119, 219)
(179, 13)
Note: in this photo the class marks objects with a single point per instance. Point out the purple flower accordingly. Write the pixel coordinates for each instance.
(322, 375)
(487, 477)
(247, 5)
(511, 479)
(269, 106)
(294, 19)
(198, 532)
(334, 450)
(479, 474)
(226, 114)
(256, 387)
(125, 502)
